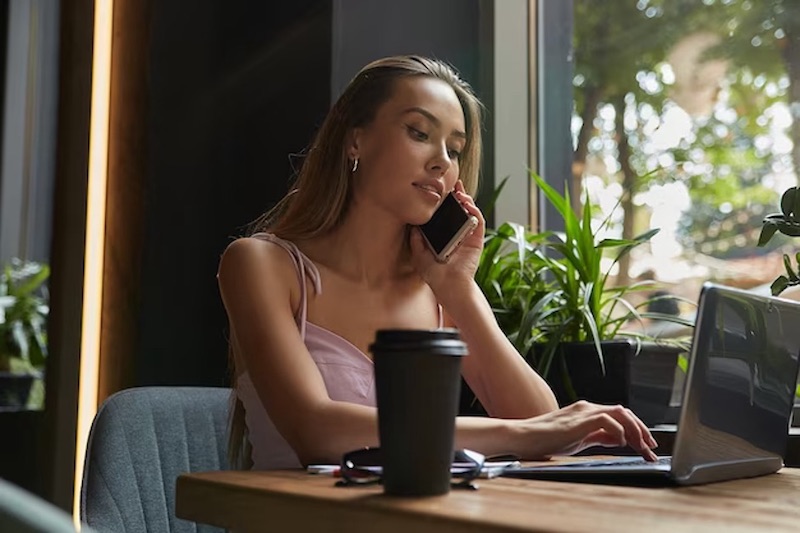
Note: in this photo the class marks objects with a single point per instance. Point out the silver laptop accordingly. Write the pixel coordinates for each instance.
(737, 401)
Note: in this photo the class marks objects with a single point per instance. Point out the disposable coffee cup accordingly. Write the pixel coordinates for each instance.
(417, 382)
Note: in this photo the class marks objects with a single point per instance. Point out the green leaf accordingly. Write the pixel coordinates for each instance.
(38, 346)
(789, 202)
(767, 231)
(784, 224)
(779, 285)
(795, 214)
(522, 244)
(20, 340)
(683, 362)
(792, 275)
(668, 318)
(489, 207)
(560, 203)
(33, 282)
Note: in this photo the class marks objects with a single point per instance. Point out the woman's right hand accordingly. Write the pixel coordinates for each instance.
(578, 426)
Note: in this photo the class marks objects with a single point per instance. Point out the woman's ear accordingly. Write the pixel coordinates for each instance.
(353, 143)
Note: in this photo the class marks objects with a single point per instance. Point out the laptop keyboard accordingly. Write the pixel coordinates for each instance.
(622, 462)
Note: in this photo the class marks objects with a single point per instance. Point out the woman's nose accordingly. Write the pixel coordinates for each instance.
(441, 160)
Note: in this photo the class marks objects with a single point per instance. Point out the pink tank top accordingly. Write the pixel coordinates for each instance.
(347, 372)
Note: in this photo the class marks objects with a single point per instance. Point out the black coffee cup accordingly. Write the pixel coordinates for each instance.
(417, 383)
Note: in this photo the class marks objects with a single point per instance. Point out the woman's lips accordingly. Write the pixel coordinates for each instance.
(429, 189)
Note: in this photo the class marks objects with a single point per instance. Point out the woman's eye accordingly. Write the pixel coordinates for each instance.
(417, 134)
(454, 154)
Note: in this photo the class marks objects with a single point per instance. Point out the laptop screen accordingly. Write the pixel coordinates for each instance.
(740, 389)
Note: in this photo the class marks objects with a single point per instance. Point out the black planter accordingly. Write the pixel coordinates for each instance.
(642, 381)
(14, 390)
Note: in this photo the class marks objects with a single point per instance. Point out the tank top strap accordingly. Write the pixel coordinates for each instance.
(306, 269)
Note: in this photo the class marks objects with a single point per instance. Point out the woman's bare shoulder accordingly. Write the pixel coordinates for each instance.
(247, 249)
(252, 259)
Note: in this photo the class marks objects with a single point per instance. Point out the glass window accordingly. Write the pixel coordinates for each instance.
(29, 37)
(684, 120)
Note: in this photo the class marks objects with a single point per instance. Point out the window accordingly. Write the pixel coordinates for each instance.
(684, 120)
(29, 36)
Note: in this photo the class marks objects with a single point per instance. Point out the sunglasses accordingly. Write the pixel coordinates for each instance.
(364, 467)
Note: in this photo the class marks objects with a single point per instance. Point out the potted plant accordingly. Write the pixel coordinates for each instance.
(786, 222)
(555, 302)
(23, 324)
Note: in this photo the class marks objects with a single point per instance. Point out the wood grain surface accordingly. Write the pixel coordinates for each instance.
(296, 501)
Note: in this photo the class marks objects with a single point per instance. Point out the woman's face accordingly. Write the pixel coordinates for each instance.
(409, 154)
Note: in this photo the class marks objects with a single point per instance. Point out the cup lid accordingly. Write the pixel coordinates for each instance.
(447, 339)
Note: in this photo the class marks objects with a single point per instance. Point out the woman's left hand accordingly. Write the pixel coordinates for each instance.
(463, 263)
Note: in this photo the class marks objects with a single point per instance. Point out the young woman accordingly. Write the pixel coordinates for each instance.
(341, 257)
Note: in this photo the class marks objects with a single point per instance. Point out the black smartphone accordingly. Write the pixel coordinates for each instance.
(447, 228)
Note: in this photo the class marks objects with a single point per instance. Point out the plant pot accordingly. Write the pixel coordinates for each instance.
(15, 388)
(641, 381)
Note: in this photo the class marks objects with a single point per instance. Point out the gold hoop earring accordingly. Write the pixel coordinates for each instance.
(355, 165)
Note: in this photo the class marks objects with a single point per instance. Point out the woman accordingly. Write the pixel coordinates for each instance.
(340, 257)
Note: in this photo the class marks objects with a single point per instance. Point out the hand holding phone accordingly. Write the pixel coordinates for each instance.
(447, 228)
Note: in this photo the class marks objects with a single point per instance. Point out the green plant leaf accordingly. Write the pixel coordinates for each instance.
(493, 243)
(489, 207)
(790, 273)
(674, 319)
(794, 216)
(23, 314)
(547, 288)
(32, 283)
(784, 224)
(789, 202)
(37, 336)
(779, 285)
(20, 340)
(6, 302)
(522, 244)
(767, 231)
(683, 362)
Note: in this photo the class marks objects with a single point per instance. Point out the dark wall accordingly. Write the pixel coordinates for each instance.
(365, 30)
(234, 88)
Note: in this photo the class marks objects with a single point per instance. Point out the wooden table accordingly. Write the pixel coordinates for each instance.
(296, 501)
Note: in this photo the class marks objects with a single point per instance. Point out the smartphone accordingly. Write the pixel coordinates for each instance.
(447, 228)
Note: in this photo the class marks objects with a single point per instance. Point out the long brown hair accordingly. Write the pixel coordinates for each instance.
(320, 197)
(318, 201)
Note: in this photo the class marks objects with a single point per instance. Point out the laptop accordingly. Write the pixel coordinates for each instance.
(737, 401)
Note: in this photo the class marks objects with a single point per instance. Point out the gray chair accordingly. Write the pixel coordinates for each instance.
(141, 440)
(25, 512)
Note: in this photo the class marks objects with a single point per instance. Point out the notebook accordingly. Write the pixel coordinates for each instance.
(737, 401)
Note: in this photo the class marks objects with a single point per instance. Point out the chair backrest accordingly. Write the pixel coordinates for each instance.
(24, 512)
(141, 440)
